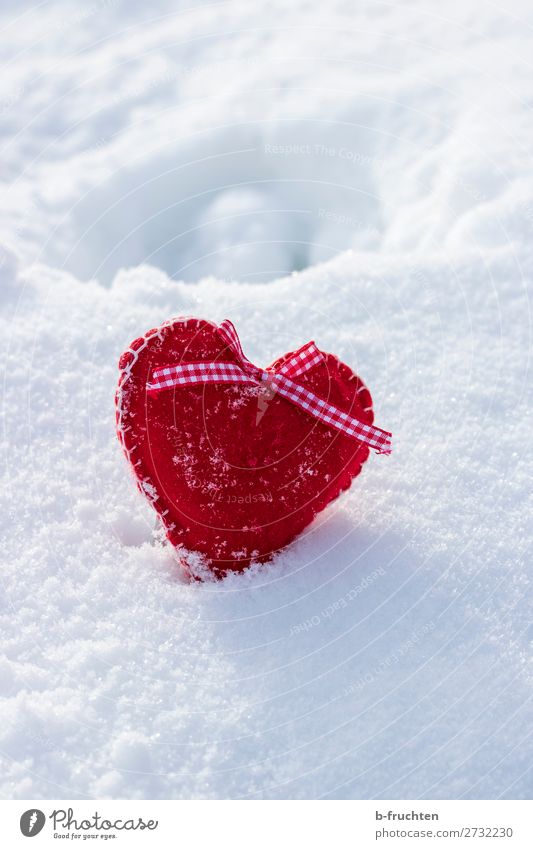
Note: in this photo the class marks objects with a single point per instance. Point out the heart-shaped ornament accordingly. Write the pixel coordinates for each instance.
(237, 460)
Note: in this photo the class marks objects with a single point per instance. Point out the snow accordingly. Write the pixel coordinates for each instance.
(357, 175)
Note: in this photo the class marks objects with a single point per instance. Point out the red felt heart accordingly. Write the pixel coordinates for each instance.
(232, 477)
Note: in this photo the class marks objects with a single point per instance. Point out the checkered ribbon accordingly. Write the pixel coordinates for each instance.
(282, 382)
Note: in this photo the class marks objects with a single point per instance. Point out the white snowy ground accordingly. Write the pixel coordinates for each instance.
(162, 161)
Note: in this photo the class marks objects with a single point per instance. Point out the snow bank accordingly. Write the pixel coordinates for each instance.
(365, 176)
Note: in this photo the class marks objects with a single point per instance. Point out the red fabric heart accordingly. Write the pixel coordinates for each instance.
(226, 482)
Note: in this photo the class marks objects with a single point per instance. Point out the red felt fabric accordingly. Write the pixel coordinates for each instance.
(225, 486)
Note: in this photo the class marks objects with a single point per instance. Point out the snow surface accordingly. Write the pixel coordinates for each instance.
(357, 174)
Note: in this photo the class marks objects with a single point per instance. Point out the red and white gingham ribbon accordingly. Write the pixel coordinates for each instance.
(281, 381)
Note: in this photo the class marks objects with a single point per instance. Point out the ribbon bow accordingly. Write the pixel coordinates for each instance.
(281, 381)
